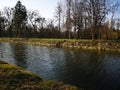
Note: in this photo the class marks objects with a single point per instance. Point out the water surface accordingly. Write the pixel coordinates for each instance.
(86, 69)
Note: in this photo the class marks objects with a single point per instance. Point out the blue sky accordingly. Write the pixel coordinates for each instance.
(45, 7)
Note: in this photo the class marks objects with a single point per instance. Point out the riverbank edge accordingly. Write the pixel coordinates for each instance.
(99, 45)
(16, 78)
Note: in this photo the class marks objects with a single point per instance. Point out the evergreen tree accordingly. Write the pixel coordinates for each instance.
(2, 26)
(19, 20)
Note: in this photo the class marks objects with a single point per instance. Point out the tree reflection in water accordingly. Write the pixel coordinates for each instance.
(19, 54)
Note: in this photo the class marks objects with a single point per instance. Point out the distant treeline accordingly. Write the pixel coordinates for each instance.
(78, 19)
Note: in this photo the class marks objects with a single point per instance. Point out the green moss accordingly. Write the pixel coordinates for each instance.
(7, 66)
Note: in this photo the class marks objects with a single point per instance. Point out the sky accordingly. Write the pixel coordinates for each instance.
(45, 7)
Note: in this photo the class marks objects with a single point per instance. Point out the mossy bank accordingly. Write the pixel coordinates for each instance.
(16, 78)
(100, 45)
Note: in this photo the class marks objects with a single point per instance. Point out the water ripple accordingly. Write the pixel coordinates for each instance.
(86, 69)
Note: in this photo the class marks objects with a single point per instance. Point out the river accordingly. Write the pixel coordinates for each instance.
(90, 70)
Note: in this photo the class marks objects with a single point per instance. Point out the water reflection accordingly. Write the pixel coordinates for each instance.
(19, 54)
(7, 52)
(46, 60)
(86, 69)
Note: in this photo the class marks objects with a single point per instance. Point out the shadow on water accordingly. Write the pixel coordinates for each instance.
(92, 70)
(19, 54)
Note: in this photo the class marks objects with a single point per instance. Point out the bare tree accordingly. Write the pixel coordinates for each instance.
(50, 26)
(96, 11)
(33, 18)
(8, 13)
(58, 15)
(68, 17)
(113, 7)
(118, 28)
(74, 15)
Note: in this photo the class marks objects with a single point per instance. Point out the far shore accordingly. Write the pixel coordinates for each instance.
(100, 45)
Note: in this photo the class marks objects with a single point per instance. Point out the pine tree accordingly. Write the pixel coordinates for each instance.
(19, 20)
(2, 26)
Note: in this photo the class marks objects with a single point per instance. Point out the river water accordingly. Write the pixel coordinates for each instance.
(86, 69)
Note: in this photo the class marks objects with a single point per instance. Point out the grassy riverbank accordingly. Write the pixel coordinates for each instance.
(16, 78)
(101, 45)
